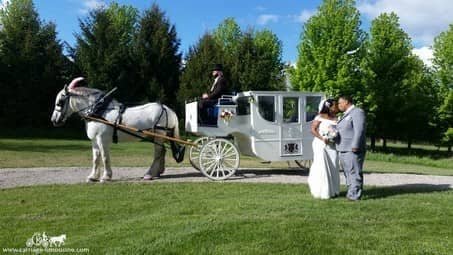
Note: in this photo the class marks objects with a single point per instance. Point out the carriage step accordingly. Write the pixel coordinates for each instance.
(207, 125)
(265, 162)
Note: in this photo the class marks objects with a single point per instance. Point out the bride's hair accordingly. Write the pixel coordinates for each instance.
(326, 105)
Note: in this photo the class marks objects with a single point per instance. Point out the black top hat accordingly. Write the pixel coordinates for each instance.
(217, 67)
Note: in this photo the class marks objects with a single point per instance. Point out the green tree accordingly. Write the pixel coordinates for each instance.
(388, 49)
(32, 64)
(396, 82)
(443, 64)
(259, 65)
(252, 58)
(330, 51)
(420, 99)
(103, 50)
(196, 76)
(228, 36)
(156, 48)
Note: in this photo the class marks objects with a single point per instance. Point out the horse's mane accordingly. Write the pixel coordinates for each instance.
(85, 91)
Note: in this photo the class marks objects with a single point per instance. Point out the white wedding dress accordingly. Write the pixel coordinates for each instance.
(324, 177)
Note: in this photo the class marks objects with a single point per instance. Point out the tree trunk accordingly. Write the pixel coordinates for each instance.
(409, 143)
(373, 143)
(384, 143)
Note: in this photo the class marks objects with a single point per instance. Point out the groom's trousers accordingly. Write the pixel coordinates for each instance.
(352, 164)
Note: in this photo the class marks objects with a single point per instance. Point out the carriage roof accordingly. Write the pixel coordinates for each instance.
(276, 93)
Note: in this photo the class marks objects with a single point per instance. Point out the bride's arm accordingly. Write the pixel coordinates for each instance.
(314, 130)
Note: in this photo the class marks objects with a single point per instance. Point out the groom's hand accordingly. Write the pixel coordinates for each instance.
(355, 149)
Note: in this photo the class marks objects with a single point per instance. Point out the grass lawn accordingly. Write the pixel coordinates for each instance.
(226, 218)
(38, 152)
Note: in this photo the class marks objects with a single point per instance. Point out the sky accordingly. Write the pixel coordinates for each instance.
(421, 19)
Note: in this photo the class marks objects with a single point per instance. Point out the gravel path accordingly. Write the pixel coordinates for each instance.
(10, 178)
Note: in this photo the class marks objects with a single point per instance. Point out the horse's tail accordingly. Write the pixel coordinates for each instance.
(176, 127)
(177, 149)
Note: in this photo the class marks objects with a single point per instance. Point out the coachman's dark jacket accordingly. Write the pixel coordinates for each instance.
(219, 88)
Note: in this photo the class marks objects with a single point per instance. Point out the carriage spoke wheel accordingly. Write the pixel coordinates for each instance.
(219, 159)
(194, 151)
(304, 164)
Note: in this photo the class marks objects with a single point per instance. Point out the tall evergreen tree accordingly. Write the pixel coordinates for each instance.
(31, 62)
(330, 51)
(159, 60)
(104, 50)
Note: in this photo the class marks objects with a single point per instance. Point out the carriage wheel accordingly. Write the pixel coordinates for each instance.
(29, 242)
(304, 164)
(45, 243)
(219, 159)
(194, 151)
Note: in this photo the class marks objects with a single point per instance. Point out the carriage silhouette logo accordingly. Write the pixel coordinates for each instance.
(42, 240)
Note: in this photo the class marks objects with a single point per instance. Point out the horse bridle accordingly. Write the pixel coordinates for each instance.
(63, 102)
(65, 99)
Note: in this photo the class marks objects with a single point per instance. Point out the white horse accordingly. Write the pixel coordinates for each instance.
(76, 99)
(57, 241)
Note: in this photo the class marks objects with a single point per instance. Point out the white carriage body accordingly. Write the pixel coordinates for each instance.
(271, 125)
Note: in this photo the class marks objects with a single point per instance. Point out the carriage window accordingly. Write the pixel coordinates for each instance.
(266, 107)
(311, 107)
(243, 106)
(290, 109)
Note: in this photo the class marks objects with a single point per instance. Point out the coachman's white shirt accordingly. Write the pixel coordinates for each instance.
(215, 81)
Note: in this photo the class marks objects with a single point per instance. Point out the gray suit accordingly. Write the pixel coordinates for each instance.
(351, 134)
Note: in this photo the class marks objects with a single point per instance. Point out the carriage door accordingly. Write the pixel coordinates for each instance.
(308, 115)
(290, 126)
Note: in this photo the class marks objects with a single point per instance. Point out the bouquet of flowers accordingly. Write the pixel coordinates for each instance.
(331, 133)
(226, 115)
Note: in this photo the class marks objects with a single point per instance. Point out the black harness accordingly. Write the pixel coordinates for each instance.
(118, 121)
(100, 106)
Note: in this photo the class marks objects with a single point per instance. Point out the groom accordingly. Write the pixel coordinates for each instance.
(351, 145)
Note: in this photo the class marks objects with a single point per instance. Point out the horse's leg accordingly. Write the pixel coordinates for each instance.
(160, 157)
(95, 173)
(104, 146)
(158, 165)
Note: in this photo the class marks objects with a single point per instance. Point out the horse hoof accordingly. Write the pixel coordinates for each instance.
(147, 177)
(89, 180)
(103, 180)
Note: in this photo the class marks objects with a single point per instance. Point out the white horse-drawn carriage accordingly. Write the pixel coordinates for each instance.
(270, 125)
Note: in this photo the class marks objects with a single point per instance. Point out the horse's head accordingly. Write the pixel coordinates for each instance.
(62, 108)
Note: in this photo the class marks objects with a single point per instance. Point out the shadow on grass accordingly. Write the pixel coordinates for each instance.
(417, 188)
(268, 172)
(404, 172)
(245, 173)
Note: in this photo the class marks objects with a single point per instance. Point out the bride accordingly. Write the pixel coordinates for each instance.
(324, 178)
